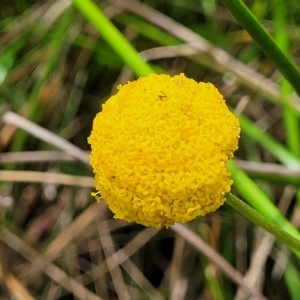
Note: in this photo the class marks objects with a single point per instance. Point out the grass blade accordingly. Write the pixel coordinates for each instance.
(264, 41)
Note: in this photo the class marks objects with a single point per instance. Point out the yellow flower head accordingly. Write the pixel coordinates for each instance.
(159, 150)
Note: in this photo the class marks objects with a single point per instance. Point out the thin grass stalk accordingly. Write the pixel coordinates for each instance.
(113, 37)
(291, 123)
(267, 44)
(261, 221)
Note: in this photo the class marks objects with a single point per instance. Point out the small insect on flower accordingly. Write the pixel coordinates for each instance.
(160, 148)
(161, 97)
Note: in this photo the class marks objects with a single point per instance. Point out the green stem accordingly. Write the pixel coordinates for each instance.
(258, 199)
(259, 220)
(291, 120)
(113, 37)
(264, 41)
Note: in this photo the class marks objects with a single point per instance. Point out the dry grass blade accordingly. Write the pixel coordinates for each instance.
(266, 168)
(115, 272)
(17, 290)
(13, 287)
(254, 274)
(178, 284)
(77, 227)
(34, 156)
(121, 258)
(216, 258)
(141, 280)
(45, 135)
(55, 273)
(46, 177)
(259, 257)
(122, 255)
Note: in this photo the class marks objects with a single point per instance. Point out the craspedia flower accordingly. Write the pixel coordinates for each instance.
(160, 148)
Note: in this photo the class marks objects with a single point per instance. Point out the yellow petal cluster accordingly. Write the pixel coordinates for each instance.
(160, 148)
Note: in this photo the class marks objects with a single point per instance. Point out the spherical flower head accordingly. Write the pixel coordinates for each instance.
(160, 148)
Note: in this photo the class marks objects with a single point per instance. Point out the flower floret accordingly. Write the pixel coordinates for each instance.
(160, 148)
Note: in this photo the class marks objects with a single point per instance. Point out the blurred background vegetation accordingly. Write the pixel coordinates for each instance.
(55, 72)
